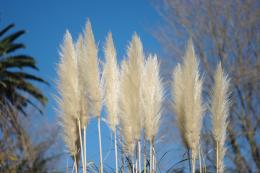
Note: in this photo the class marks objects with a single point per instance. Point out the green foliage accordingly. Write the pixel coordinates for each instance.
(15, 82)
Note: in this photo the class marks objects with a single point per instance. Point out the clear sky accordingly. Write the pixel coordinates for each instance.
(46, 21)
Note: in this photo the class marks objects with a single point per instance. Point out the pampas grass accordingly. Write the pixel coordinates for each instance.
(193, 108)
(126, 120)
(93, 81)
(219, 110)
(82, 73)
(92, 72)
(189, 106)
(84, 114)
(111, 88)
(152, 97)
(135, 62)
(178, 101)
(69, 96)
(111, 83)
(130, 97)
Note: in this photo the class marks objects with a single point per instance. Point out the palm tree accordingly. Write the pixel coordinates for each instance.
(15, 82)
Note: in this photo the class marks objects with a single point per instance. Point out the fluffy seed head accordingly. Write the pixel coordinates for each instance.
(193, 108)
(126, 112)
(111, 83)
(92, 72)
(187, 91)
(219, 110)
(152, 96)
(135, 66)
(69, 94)
(82, 73)
(178, 101)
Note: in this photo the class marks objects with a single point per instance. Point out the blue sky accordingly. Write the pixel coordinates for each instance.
(47, 20)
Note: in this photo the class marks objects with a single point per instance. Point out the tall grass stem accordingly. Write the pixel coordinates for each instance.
(85, 149)
(144, 155)
(139, 156)
(100, 145)
(81, 146)
(151, 156)
(116, 157)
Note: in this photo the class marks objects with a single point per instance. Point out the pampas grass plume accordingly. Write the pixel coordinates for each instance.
(111, 83)
(69, 94)
(178, 101)
(193, 108)
(82, 73)
(126, 120)
(187, 91)
(152, 96)
(219, 110)
(135, 63)
(92, 71)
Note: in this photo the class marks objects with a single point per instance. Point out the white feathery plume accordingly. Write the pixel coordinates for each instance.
(135, 62)
(82, 73)
(178, 101)
(84, 113)
(189, 106)
(69, 95)
(135, 66)
(111, 88)
(193, 108)
(92, 71)
(152, 97)
(93, 82)
(111, 83)
(126, 122)
(219, 110)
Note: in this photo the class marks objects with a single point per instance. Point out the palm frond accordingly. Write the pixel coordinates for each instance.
(18, 61)
(7, 28)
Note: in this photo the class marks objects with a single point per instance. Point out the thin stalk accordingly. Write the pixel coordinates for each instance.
(193, 162)
(100, 145)
(217, 153)
(154, 169)
(200, 160)
(73, 167)
(136, 157)
(116, 151)
(151, 156)
(85, 149)
(122, 156)
(75, 163)
(144, 155)
(133, 164)
(139, 156)
(81, 146)
(136, 166)
(67, 166)
(189, 158)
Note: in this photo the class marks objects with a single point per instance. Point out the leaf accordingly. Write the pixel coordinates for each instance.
(23, 76)
(33, 91)
(3, 31)
(9, 39)
(19, 61)
(14, 47)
